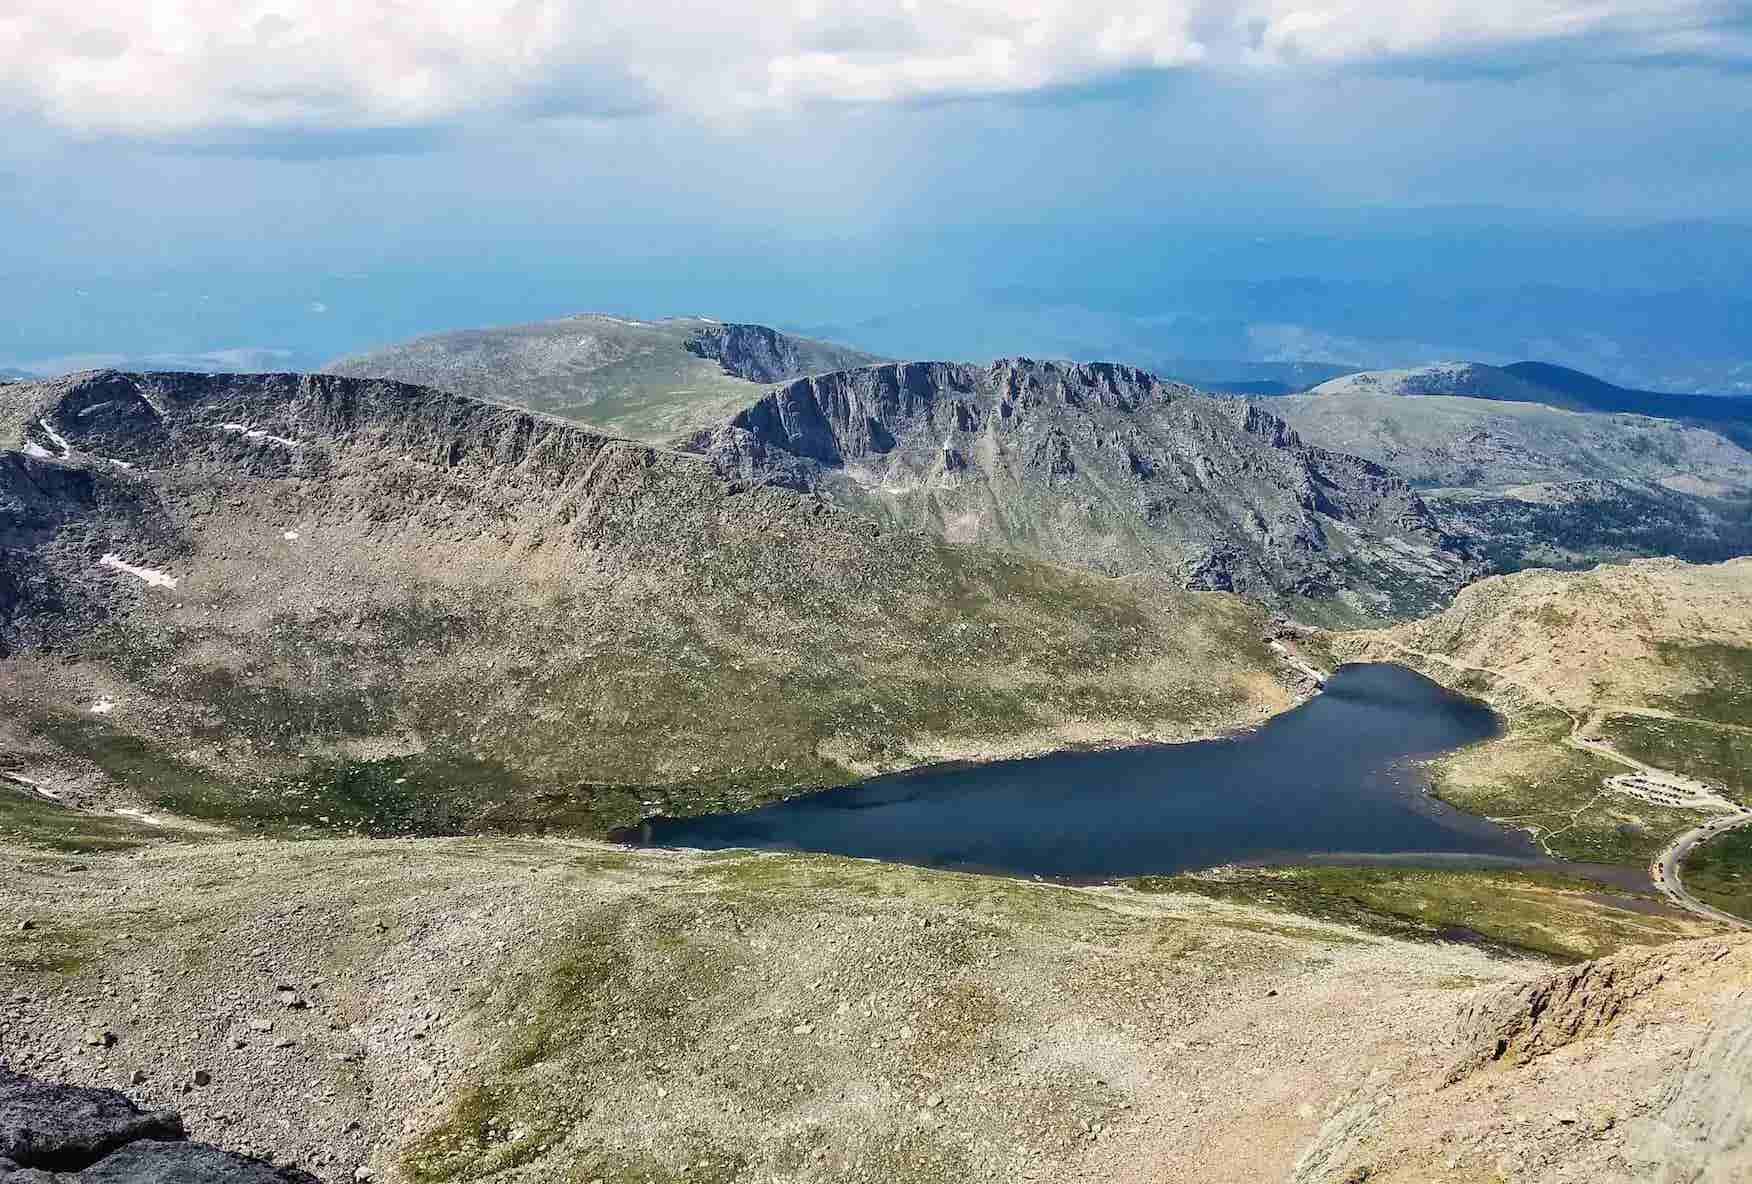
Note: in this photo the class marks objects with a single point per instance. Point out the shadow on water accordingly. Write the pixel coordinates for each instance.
(1336, 777)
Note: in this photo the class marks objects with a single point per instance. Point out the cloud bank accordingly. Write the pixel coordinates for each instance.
(209, 71)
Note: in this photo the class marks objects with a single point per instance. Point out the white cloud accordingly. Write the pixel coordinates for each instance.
(198, 68)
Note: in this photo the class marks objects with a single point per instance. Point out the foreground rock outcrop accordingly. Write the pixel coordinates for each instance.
(53, 1133)
(1628, 1068)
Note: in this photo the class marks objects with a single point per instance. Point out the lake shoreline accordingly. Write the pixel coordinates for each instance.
(1046, 818)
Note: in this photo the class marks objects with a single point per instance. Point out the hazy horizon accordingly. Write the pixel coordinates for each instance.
(278, 185)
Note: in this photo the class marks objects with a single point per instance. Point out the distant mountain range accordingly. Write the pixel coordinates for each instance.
(1539, 465)
(650, 380)
(1542, 382)
(1109, 468)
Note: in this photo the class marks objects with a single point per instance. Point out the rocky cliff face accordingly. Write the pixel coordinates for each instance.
(315, 600)
(753, 352)
(1102, 466)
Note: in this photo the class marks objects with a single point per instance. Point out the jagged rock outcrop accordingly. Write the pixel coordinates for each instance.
(1103, 466)
(376, 606)
(65, 1134)
(754, 352)
(1518, 1024)
(1628, 1068)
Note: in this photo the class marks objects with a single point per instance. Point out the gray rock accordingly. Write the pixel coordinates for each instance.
(154, 1162)
(64, 1127)
(62, 1134)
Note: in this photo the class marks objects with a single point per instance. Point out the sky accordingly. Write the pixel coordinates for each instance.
(273, 183)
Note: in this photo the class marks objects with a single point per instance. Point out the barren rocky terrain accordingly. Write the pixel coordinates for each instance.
(247, 620)
(434, 1010)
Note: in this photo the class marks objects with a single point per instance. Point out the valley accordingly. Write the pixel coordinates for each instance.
(428, 614)
(873, 592)
(320, 695)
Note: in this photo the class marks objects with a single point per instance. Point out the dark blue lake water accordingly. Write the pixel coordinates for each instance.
(1337, 776)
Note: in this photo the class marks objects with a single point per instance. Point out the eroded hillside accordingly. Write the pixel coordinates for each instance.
(1106, 467)
(323, 602)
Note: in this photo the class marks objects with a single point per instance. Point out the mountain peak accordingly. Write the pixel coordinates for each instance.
(1465, 379)
(651, 380)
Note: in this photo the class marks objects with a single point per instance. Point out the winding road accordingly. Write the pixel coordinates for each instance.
(1664, 872)
(1665, 869)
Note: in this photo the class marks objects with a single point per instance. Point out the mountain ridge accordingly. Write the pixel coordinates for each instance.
(312, 600)
(1557, 386)
(649, 380)
(1105, 466)
(1542, 481)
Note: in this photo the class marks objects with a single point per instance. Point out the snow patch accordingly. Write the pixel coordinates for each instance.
(120, 464)
(290, 536)
(245, 430)
(35, 787)
(156, 578)
(32, 448)
(60, 442)
(147, 399)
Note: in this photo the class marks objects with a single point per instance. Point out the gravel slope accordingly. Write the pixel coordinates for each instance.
(522, 1010)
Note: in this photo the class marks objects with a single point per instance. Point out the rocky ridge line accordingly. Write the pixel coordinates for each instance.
(1102, 466)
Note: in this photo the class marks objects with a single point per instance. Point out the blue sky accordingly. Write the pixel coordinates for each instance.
(274, 183)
